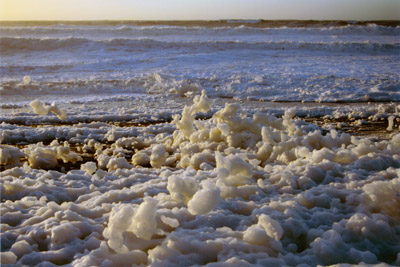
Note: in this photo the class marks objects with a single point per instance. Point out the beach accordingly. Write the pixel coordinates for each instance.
(248, 143)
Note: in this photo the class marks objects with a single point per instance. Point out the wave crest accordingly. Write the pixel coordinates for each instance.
(10, 44)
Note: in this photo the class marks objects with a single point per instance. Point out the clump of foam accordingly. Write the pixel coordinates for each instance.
(390, 123)
(141, 159)
(272, 227)
(185, 123)
(41, 157)
(115, 163)
(65, 233)
(89, 167)
(27, 80)
(233, 170)
(158, 156)
(10, 156)
(205, 200)
(105, 256)
(144, 224)
(140, 221)
(45, 157)
(185, 88)
(43, 109)
(182, 189)
(267, 232)
(64, 152)
(383, 195)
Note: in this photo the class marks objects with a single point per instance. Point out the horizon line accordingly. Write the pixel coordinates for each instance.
(195, 20)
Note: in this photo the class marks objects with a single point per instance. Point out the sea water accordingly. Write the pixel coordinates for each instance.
(181, 143)
(283, 61)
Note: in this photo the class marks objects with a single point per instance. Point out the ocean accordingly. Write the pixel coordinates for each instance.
(200, 143)
(312, 61)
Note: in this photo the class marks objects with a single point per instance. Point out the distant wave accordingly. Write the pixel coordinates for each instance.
(246, 21)
(11, 44)
(214, 23)
(226, 29)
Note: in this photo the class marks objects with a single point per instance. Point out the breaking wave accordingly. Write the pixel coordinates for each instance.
(226, 29)
(11, 44)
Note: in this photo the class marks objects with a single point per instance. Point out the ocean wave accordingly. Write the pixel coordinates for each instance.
(10, 44)
(277, 87)
(227, 29)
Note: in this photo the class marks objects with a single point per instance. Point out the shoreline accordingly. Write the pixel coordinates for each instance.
(373, 130)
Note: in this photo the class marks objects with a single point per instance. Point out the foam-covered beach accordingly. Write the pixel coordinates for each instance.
(248, 143)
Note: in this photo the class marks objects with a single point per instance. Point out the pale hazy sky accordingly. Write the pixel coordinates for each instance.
(198, 9)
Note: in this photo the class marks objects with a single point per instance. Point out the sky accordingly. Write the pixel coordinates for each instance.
(199, 9)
